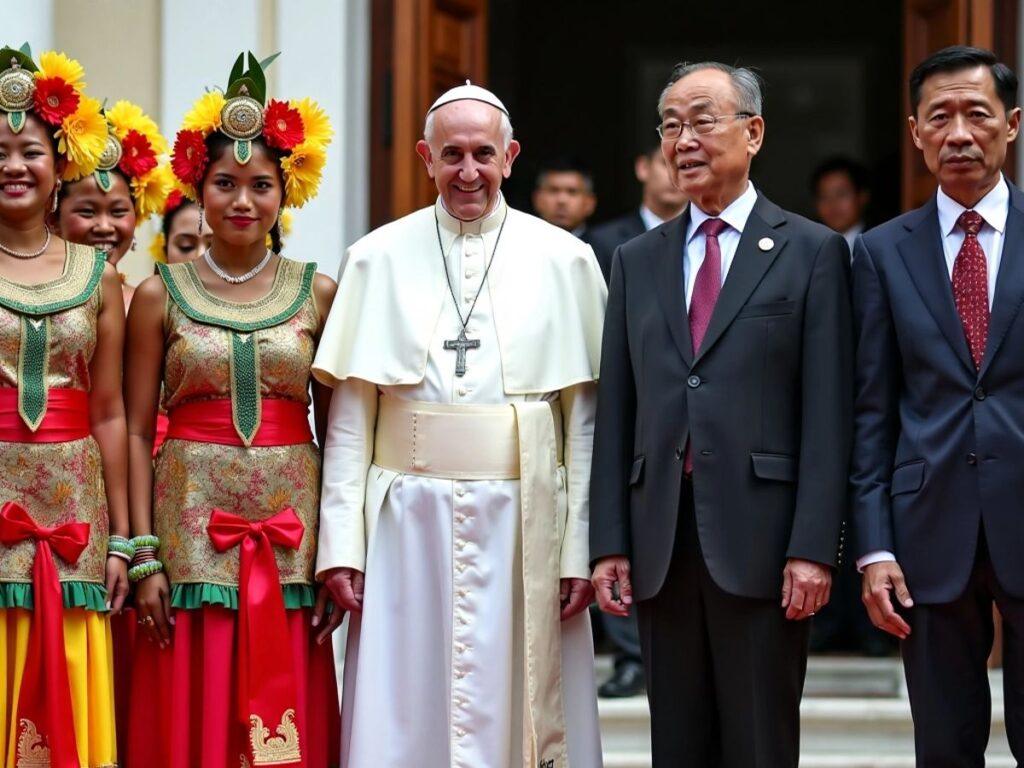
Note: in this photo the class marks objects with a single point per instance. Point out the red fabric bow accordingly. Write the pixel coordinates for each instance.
(266, 676)
(44, 701)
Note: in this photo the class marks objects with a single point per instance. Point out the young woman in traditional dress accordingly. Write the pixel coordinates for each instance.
(240, 670)
(63, 463)
(103, 208)
(183, 236)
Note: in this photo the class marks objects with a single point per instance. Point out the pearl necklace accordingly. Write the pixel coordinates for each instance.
(22, 254)
(236, 279)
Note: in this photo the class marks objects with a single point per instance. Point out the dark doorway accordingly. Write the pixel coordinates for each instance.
(582, 78)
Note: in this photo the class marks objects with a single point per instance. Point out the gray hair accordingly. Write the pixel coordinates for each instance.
(506, 128)
(744, 81)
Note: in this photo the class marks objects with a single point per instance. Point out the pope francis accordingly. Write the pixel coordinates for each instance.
(463, 348)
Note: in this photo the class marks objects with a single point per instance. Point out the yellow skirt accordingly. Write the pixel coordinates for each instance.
(87, 644)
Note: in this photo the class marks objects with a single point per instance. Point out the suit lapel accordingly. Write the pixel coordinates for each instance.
(668, 273)
(749, 265)
(925, 261)
(1009, 291)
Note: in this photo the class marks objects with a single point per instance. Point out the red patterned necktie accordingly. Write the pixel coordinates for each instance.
(706, 288)
(970, 286)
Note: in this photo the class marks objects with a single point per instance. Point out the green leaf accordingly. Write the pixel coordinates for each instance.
(257, 76)
(26, 49)
(24, 60)
(237, 71)
(236, 87)
(269, 60)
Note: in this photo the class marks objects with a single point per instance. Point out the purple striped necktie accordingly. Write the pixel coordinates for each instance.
(706, 288)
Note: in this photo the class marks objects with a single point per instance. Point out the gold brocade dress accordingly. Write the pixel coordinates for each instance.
(47, 340)
(243, 356)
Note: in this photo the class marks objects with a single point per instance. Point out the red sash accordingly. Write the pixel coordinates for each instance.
(44, 702)
(267, 689)
(283, 422)
(66, 418)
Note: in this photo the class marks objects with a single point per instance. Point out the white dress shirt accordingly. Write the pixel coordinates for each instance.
(735, 215)
(650, 218)
(850, 235)
(993, 208)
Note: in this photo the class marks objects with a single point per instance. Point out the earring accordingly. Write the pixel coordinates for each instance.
(135, 243)
(56, 196)
(200, 230)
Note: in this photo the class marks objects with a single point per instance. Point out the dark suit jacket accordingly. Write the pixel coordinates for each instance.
(605, 238)
(767, 405)
(939, 445)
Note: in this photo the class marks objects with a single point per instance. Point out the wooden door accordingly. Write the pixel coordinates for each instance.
(420, 49)
(929, 25)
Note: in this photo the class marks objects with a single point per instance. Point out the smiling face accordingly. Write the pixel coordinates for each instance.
(710, 169)
(241, 202)
(466, 157)
(28, 170)
(184, 241)
(104, 220)
(962, 128)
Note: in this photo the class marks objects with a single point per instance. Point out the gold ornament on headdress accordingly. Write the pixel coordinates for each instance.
(17, 87)
(112, 153)
(241, 119)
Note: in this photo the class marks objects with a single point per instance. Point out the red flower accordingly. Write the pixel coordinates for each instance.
(54, 99)
(189, 158)
(137, 155)
(282, 125)
(174, 201)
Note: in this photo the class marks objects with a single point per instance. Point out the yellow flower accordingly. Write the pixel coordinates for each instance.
(205, 113)
(82, 137)
(287, 220)
(125, 116)
(53, 64)
(302, 170)
(150, 192)
(158, 248)
(315, 123)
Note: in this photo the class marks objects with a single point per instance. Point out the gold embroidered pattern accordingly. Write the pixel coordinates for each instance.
(275, 750)
(32, 752)
(83, 268)
(290, 291)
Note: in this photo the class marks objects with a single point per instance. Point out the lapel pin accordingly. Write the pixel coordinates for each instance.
(765, 243)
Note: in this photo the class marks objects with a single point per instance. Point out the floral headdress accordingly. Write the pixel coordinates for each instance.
(300, 130)
(53, 90)
(134, 146)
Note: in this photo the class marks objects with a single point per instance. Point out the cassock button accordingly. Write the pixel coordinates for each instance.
(693, 382)
(765, 243)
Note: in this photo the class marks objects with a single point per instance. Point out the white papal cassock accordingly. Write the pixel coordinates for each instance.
(435, 673)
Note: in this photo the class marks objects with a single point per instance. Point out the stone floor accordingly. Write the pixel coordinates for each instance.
(855, 714)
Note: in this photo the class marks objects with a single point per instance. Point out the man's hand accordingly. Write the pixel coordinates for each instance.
(346, 588)
(326, 608)
(612, 572)
(805, 588)
(575, 595)
(880, 580)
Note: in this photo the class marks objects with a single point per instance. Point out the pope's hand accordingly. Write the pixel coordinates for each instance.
(879, 582)
(346, 588)
(806, 586)
(576, 595)
(611, 572)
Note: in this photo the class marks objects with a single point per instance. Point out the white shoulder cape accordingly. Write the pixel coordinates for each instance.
(546, 289)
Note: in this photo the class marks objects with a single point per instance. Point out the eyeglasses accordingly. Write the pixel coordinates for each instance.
(702, 125)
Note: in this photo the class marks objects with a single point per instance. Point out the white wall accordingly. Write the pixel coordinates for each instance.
(30, 22)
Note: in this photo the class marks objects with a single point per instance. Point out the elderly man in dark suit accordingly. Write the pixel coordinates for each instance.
(721, 450)
(939, 438)
(661, 200)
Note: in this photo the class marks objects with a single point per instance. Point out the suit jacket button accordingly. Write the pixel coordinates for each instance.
(979, 393)
(693, 382)
(972, 458)
(679, 454)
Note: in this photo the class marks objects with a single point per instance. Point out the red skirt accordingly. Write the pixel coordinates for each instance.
(123, 633)
(183, 698)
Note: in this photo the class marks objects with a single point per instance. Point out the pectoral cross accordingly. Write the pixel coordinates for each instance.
(460, 345)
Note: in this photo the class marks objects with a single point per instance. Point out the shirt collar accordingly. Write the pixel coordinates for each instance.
(486, 223)
(735, 214)
(650, 218)
(993, 208)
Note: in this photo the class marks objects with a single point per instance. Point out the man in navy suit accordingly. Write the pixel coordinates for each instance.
(938, 486)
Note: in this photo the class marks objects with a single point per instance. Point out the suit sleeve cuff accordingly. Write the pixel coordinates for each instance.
(878, 556)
